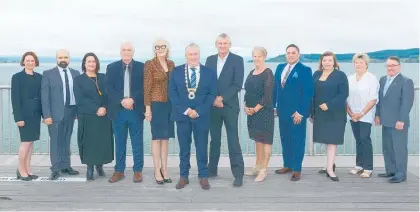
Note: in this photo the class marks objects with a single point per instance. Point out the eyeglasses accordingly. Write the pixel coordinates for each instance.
(392, 66)
(160, 47)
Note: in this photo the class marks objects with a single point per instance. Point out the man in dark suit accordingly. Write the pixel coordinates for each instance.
(230, 77)
(292, 95)
(126, 110)
(59, 112)
(192, 91)
(396, 97)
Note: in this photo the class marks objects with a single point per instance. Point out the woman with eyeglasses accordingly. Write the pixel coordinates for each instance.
(157, 73)
(94, 134)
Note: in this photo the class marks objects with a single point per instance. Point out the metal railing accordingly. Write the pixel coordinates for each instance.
(9, 135)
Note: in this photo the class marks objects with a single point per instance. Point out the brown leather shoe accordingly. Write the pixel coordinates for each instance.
(182, 183)
(283, 171)
(205, 184)
(138, 177)
(295, 176)
(117, 176)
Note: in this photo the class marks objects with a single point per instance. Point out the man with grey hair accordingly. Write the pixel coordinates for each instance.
(230, 77)
(192, 91)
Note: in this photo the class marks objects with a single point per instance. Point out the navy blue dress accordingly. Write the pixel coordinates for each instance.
(329, 126)
(26, 103)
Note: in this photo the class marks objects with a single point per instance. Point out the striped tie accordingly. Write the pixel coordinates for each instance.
(285, 77)
(193, 78)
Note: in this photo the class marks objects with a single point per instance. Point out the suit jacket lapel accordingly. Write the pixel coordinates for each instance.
(56, 74)
(225, 66)
(393, 84)
(290, 74)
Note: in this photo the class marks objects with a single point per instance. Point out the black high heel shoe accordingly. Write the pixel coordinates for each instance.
(19, 177)
(34, 177)
(332, 178)
(323, 171)
(100, 170)
(160, 182)
(165, 180)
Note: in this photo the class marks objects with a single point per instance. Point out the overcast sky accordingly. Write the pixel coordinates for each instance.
(100, 26)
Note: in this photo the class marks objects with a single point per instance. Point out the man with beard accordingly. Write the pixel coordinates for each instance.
(59, 112)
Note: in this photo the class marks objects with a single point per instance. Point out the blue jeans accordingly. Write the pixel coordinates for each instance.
(128, 120)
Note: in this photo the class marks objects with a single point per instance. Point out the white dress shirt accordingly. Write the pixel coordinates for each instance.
(220, 63)
(361, 93)
(63, 79)
(197, 80)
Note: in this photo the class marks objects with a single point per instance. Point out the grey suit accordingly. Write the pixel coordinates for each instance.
(395, 105)
(60, 131)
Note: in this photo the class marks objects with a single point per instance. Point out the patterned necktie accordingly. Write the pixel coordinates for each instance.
(387, 84)
(66, 79)
(193, 78)
(285, 77)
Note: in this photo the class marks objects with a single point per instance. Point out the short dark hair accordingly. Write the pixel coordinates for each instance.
(96, 59)
(395, 58)
(294, 46)
(22, 60)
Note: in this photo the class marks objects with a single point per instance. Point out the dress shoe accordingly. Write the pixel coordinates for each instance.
(70, 171)
(34, 177)
(54, 175)
(182, 183)
(295, 176)
(19, 176)
(397, 179)
(160, 182)
(100, 170)
(237, 182)
(138, 177)
(324, 170)
(261, 176)
(332, 178)
(168, 180)
(255, 171)
(117, 176)
(89, 173)
(283, 171)
(386, 174)
(204, 183)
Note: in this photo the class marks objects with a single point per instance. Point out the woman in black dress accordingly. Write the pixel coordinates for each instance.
(259, 108)
(27, 112)
(94, 133)
(328, 111)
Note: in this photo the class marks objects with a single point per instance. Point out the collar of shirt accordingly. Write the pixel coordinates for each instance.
(129, 65)
(61, 69)
(222, 60)
(392, 78)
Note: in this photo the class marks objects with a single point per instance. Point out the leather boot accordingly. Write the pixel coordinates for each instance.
(100, 170)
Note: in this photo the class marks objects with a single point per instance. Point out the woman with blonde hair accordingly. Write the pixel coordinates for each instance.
(157, 73)
(363, 96)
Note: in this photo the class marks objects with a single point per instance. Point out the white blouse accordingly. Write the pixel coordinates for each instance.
(361, 93)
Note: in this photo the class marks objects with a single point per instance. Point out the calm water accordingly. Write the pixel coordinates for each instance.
(9, 132)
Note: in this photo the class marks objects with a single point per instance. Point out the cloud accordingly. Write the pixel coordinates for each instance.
(101, 25)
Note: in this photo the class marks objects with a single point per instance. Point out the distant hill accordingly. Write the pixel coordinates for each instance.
(406, 55)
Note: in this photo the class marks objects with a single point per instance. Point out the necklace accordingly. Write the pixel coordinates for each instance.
(96, 83)
(191, 91)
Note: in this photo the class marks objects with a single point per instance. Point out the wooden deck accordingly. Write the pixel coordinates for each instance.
(314, 192)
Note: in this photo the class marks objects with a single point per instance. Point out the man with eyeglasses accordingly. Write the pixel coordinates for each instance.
(126, 110)
(396, 97)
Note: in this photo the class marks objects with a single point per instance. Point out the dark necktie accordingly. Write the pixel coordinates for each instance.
(193, 78)
(66, 78)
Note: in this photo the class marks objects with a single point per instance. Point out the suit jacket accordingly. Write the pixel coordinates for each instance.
(52, 96)
(397, 102)
(25, 102)
(230, 80)
(297, 93)
(115, 88)
(88, 100)
(204, 96)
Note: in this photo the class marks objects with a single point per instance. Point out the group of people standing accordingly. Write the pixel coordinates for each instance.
(200, 99)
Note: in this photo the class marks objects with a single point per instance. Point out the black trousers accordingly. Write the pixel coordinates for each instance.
(364, 149)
